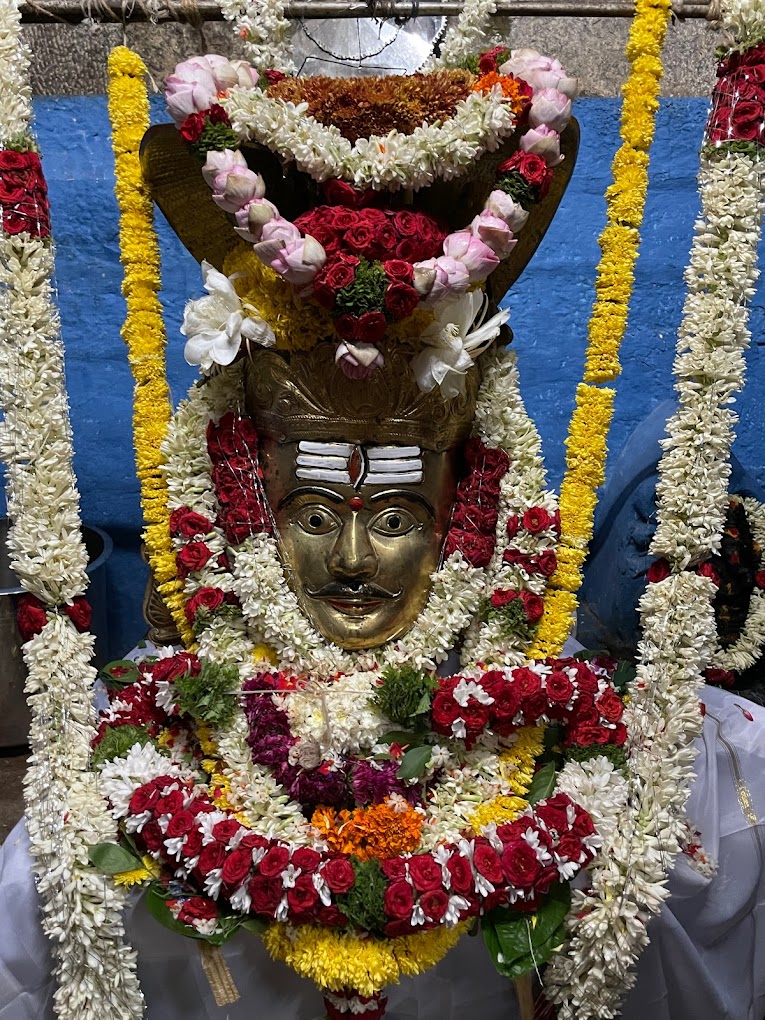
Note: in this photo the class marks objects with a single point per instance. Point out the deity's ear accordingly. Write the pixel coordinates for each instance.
(173, 174)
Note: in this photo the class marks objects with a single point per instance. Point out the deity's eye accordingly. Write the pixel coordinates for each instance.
(317, 520)
(394, 522)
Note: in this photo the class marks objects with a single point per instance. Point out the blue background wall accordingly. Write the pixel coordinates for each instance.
(550, 307)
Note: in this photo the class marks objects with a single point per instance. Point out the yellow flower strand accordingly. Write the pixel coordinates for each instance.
(143, 330)
(517, 765)
(336, 960)
(586, 446)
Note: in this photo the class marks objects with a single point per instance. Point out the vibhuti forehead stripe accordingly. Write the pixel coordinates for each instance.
(373, 465)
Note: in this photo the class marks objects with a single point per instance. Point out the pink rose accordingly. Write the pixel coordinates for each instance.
(543, 141)
(501, 205)
(438, 279)
(234, 188)
(540, 72)
(191, 88)
(494, 233)
(477, 257)
(358, 360)
(551, 108)
(221, 162)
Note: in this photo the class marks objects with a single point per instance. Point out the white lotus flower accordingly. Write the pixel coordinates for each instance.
(216, 325)
(452, 345)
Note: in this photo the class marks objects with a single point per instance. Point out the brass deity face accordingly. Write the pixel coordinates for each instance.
(361, 531)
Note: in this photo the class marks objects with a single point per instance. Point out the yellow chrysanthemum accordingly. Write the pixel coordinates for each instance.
(137, 876)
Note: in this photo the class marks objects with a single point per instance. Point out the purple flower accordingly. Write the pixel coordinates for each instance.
(374, 781)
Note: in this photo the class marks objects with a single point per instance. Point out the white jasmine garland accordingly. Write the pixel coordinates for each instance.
(469, 35)
(267, 34)
(431, 152)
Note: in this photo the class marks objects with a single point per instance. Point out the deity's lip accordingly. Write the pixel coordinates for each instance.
(354, 606)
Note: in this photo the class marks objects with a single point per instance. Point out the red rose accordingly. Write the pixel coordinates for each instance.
(475, 716)
(708, 570)
(306, 859)
(192, 557)
(266, 894)
(570, 847)
(461, 873)
(531, 167)
(302, 896)
(434, 904)
(225, 831)
(547, 563)
(205, 598)
(217, 115)
(401, 300)
(476, 548)
(236, 867)
(520, 864)
(399, 900)
(193, 844)
(610, 706)
(398, 269)
(370, 327)
(342, 219)
(346, 326)
(748, 120)
(583, 824)
(211, 858)
(559, 688)
(252, 841)
(502, 597)
(425, 872)
(80, 613)
(586, 734)
(506, 703)
(170, 803)
(658, 570)
(152, 836)
(341, 273)
(720, 677)
(272, 77)
(12, 160)
(618, 734)
(534, 606)
(197, 908)
(487, 862)
(30, 616)
(513, 526)
(143, 799)
(180, 824)
(443, 712)
(187, 523)
(361, 239)
(341, 193)
(274, 861)
(242, 520)
(182, 664)
(394, 868)
(554, 813)
(546, 878)
(536, 519)
(191, 129)
(331, 917)
(526, 681)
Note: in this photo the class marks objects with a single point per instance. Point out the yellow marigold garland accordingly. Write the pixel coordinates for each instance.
(625, 206)
(335, 960)
(518, 763)
(144, 328)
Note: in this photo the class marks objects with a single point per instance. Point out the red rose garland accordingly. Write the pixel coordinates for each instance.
(738, 111)
(23, 194)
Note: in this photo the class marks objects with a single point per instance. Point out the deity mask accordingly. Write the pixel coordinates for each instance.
(362, 414)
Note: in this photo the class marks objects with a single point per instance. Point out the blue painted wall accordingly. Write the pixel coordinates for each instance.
(550, 307)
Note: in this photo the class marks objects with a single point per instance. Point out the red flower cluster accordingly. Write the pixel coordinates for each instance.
(233, 448)
(31, 615)
(23, 194)
(533, 605)
(566, 691)
(488, 61)
(373, 234)
(739, 98)
(186, 523)
(474, 517)
(532, 168)
(196, 911)
(192, 128)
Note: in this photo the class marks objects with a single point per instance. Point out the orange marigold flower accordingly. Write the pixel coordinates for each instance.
(514, 89)
(381, 830)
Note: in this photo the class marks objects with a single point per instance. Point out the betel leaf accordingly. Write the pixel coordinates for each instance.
(414, 762)
(518, 942)
(112, 859)
(624, 674)
(401, 737)
(254, 925)
(120, 673)
(542, 784)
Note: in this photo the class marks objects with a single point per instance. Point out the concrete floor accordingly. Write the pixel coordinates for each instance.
(13, 765)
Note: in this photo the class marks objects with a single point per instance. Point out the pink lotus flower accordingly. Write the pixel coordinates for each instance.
(358, 360)
(251, 219)
(543, 142)
(450, 278)
(275, 234)
(550, 107)
(540, 72)
(191, 88)
(234, 188)
(500, 204)
(221, 162)
(299, 261)
(494, 233)
(228, 73)
(477, 257)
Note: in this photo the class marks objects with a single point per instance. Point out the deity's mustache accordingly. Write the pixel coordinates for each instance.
(352, 590)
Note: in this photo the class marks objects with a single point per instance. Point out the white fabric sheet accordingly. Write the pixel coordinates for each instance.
(706, 960)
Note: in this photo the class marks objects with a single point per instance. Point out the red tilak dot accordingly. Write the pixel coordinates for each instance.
(356, 503)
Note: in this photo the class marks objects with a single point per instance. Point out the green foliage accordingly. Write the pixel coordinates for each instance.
(215, 137)
(512, 618)
(405, 694)
(364, 903)
(518, 188)
(366, 293)
(112, 859)
(615, 754)
(117, 742)
(519, 942)
(211, 696)
(543, 783)
(471, 64)
(624, 674)
(414, 762)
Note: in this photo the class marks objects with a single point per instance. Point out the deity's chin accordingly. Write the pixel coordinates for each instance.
(357, 625)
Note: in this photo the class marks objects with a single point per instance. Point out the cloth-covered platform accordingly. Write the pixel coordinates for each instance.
(706, 959)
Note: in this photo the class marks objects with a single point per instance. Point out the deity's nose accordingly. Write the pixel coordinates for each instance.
(352, 554)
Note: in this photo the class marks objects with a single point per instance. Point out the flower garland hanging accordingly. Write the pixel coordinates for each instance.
(144, 330)
(678, 623)
(81, 915)
(625, 204)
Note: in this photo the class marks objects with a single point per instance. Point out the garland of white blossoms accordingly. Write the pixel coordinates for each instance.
(82, 914)
(431, 152)
(747, 649)
(267, 34)
(468, 35)
(608, 924)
